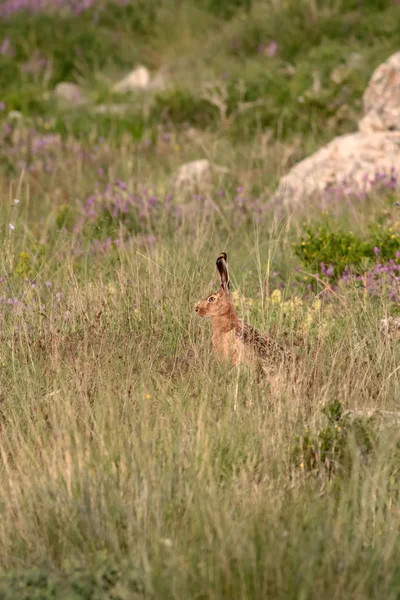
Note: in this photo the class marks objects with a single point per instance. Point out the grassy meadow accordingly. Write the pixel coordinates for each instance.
(132, 464)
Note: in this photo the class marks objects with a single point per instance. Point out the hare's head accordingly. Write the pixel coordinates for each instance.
(219, 303)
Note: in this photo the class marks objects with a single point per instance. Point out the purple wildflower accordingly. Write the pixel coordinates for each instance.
(271, 49)
(5, 46)
(329, 271)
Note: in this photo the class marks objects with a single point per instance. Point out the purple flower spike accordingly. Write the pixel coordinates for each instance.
(5, 46)
(329, 271)
(272, 48)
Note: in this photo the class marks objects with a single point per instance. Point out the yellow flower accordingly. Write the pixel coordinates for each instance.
(236, 297)
(291, 306)
(250, 301)
(324, 325)
(316, 305)
(276, 297)
(297, 301)
(306, 323)
(301, 465)
(148, 396)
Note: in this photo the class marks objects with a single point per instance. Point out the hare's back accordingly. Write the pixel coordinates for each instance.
(260, 344)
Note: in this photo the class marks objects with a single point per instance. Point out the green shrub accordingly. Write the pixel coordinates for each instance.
(103, 580)
(331, 449)
(23, 266)
(226, 8)
(343, 249)
(65, 217)
(181, 106)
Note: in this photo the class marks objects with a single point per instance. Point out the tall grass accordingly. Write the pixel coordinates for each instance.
(128, 452)
(132, 464)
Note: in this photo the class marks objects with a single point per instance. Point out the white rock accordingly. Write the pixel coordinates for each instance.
(158, 82)
(14, 115)
(138, 79)
(371, 123)
(196, 172)
(381, 99)
(69, 92)
(355, 157)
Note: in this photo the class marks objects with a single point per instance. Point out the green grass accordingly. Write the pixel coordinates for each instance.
(312, 86)
(132, 464)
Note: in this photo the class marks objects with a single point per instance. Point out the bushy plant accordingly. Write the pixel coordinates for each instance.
(343, 249)
(23, 266)
(329, 449)
(181, 106)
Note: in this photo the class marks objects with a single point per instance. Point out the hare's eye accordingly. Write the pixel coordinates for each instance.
(211, 299)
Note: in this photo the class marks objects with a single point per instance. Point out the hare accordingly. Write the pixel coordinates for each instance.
(233, 339)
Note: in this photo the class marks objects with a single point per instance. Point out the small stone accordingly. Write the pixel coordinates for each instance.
(111, 109)
(14, 115)
(138, 79)
(196, 172)
(69, 92)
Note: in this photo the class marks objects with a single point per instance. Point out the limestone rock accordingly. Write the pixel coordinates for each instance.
(382, 98)
(354, 161)
(356, 158)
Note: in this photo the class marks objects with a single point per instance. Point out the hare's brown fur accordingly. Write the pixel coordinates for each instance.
(233, 339)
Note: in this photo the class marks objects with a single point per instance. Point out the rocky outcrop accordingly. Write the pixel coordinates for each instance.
(352, 162)
(355, 161)
(381, 99)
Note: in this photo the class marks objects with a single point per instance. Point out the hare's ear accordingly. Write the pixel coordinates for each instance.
(223, 272)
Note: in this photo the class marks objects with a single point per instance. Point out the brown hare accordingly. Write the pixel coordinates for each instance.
(233, 339)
